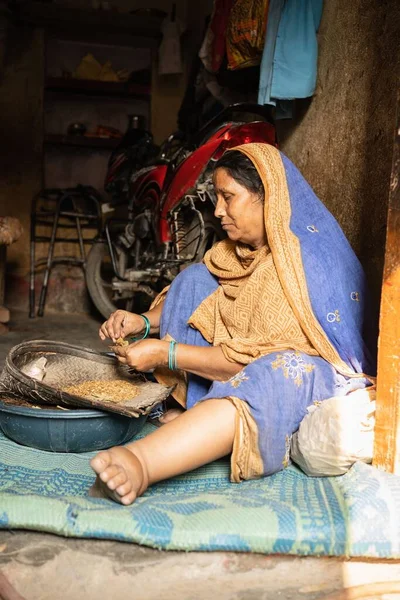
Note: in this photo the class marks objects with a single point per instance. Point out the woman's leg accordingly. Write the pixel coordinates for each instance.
(197, 437)
(187, 291)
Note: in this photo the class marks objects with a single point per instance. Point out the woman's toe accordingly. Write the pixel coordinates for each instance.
(118, 480)
(128, 498)
(124, 488)
(109, 473)
(101, 461)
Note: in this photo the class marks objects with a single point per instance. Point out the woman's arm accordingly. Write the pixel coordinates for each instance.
(122, 323)
(207, 362)
(154, 316)
(210, 362)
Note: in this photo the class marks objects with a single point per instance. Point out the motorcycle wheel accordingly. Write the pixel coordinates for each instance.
(99, 276)
(99, 272)
(213, 234)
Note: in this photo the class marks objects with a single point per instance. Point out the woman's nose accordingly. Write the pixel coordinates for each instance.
(219, 211)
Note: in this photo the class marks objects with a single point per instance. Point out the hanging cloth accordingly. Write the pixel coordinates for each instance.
(289, 62)
(212, 51)
(170, 60)
(246, 33)
(274, 16)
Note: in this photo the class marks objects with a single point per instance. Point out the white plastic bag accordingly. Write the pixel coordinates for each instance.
(335, 434)
(170, 59)
(36, 369)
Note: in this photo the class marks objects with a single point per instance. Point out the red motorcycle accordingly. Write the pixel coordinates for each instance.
(170, 204)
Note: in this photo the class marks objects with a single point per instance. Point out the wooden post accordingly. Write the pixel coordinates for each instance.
(3, 256)
(387, 428)
(4, 312)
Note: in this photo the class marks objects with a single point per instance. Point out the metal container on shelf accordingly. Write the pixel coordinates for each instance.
(136, 122)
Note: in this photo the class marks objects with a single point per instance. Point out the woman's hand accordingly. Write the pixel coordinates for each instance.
(143, 355)
(120, 324)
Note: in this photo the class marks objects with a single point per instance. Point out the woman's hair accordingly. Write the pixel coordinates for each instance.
(242, 170)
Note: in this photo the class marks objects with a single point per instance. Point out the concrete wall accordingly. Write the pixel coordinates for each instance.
(342, 141)
(21, 114)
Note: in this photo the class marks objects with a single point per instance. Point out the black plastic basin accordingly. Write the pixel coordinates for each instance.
(55, 430)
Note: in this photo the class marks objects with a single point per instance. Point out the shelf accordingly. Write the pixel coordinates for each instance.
(97, 25)
(87, 87)
(82, 141)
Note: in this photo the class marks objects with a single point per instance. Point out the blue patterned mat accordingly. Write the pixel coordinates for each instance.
(357, 514)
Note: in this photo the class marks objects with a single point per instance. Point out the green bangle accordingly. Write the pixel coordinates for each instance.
(172, 365)
(146, 332)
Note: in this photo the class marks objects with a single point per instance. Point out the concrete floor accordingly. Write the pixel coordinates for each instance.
(42, 566)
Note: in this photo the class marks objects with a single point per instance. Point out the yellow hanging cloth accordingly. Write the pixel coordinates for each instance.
(246, 33)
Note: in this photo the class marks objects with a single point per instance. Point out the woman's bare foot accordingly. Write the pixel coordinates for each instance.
(120, 475)
(200, 435)
(170, 415)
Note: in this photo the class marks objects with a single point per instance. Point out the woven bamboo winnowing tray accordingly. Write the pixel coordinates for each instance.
(70, 365)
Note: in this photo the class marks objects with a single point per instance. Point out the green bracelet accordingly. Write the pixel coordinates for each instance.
(146, 332)
(172, 365)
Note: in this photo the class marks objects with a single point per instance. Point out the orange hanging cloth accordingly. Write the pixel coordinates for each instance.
(246, 33)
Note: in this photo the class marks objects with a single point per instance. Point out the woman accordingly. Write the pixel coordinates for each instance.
(270, 323)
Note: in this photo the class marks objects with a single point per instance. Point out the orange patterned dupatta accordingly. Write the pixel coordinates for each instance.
(248, 315)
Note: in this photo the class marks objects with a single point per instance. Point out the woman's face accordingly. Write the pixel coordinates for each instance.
(241, 211)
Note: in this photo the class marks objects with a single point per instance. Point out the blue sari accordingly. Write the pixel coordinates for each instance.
(325, 285)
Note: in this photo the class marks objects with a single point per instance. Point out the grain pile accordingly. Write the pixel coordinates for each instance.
(112, 390)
